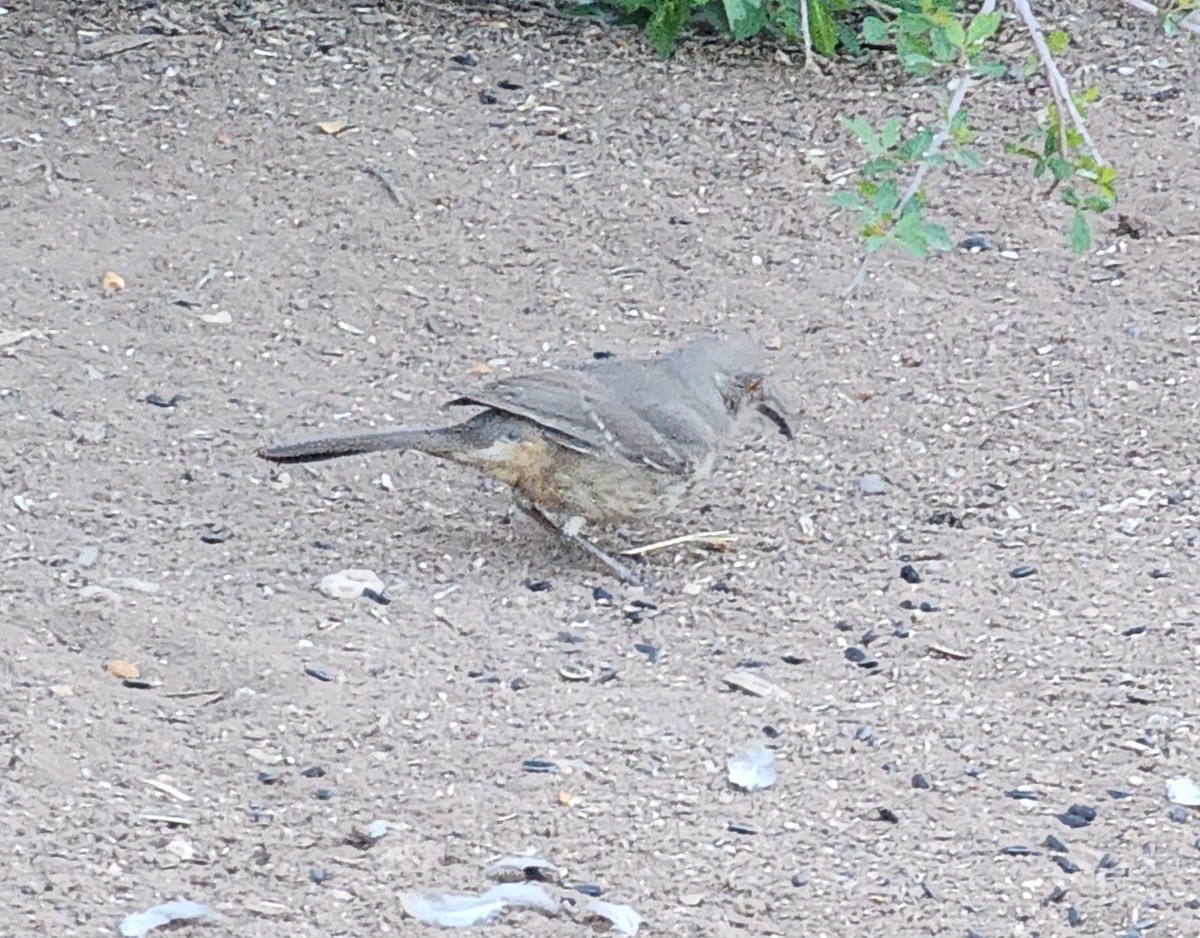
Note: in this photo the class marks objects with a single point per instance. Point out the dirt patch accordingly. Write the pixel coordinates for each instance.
(514, 189)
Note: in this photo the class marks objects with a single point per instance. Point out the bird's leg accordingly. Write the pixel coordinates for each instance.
(570, 530)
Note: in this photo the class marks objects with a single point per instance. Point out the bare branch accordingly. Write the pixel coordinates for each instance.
(923, 167)
(1058, 84)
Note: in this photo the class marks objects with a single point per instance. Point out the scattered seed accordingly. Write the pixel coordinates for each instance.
(736, 828)
(1024, 570)
(575, 673)
(538, 766)
(159, 401)
(652, 652)
(1066, 864)
(1085, 811)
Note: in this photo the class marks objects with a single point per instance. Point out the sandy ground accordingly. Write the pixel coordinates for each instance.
(558, 192)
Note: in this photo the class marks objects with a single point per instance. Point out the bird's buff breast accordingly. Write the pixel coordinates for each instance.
(593, 487)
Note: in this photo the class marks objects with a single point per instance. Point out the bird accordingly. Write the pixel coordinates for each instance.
(602, 442)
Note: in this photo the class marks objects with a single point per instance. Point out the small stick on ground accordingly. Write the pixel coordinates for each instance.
(716, 539)
(386, 178)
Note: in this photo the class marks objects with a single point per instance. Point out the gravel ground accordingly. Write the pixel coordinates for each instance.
(961, 609)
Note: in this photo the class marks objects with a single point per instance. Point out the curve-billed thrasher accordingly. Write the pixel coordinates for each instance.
(606, 441)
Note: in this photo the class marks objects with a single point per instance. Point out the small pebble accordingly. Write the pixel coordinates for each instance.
(313, 771)
(857, 655)
(1117, 795)
(844, 625)
(1017, 850)
(792, 659)
(1074, 919)
(928, 607)
(772, 732)
(1072, 820)
(589, 889)
(1107, 862)
(1134, 630)
(375, 597)
(1178, 815)
(1024, 570)
(799, 879)
(465, 59)
(909, 574)
(948, 518)
(1055, 844)
(319, 673)
(736, 828)
(920, 781)
(871, 485)
(1022, 794)
(601, 595)
(518, 683)
(901, 631)
(931, 891)
(318, 875)
(537, 586)
(887, 814)
(973, 244)
(324, 794)
(1057, 894)
(269, 778)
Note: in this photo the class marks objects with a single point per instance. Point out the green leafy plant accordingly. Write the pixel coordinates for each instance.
(929, 38)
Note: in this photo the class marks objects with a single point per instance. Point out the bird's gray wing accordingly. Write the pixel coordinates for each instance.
(586, 411)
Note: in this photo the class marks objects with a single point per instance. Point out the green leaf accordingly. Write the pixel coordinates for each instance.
(821, 28)
(936, 236)
(954, 33)
(1079, 235)
(874, 31)
(847, 38)
(1060, 169)
(983, 27)
(912, 24)
(879, 166)
(1058, 41)
(851, 200)
(889, 133)
(991, 68)
(943, 48)
(887, 197)
(915, 147)
(865, 133)
(969, 158)
(746, 18)
(664, 26)
(876, 243)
